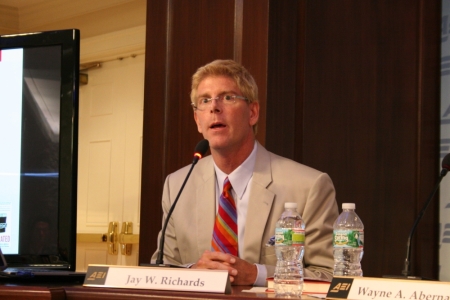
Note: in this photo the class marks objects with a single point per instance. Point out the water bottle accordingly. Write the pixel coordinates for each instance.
(348, 242)
(289, 248)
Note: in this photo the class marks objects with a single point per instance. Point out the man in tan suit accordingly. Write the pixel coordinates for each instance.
(224, 97)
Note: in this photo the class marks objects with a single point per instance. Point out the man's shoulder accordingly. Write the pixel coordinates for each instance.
(286, 165)
(287, 174)
(199, 168)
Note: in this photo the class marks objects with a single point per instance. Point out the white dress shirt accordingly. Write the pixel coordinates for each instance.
(240, 180)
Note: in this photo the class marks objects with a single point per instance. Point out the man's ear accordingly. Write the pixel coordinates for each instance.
(254, 112)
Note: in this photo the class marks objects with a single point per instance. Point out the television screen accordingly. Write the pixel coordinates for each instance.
(39, 75)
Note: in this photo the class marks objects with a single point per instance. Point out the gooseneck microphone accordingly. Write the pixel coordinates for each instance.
(445, 169)
(200, 151)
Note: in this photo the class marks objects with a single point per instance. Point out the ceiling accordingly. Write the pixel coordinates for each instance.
(92, 17)
(20, 3)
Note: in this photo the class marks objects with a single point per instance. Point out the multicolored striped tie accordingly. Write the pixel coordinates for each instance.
(225, 228)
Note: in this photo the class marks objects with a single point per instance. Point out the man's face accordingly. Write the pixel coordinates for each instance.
(226, 127)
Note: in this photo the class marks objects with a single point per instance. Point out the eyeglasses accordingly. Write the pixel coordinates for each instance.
(226, 99)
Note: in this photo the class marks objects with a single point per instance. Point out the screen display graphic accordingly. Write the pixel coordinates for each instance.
(30, 84)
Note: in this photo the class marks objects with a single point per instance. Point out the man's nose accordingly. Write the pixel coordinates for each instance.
(215, 105)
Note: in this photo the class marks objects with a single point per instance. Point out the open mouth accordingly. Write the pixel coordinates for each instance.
(217, 125)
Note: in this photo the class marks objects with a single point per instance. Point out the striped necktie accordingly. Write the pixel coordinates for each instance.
(225, 228)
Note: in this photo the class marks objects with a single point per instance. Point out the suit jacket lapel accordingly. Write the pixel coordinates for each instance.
(259, 206)
(206, 205)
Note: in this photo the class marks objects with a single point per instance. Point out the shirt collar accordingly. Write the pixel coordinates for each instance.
(240, 177)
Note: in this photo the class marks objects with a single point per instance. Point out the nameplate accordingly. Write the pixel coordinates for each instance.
(367, 288)
(156, 278)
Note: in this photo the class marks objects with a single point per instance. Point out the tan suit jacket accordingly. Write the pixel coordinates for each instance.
(276, 180)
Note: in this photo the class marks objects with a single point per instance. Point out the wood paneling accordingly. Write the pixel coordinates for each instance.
(349, 87)
(153, 150)
(255, 41)
(370, 119)
(283, 107)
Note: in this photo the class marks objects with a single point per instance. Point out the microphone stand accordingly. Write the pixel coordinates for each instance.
(200, 151)
(160, 260)
(406, 270)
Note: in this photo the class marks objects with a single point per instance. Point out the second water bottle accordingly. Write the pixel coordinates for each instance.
(348, 242)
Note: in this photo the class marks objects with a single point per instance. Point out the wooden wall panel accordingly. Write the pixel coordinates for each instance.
(153, 150)
(349, 87)
(200, 31)
(282, 104)
(364, 94)
(428, 139)
(364, 122)
(255, 31)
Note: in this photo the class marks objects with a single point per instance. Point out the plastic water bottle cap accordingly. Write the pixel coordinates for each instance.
(348, 205)
(290, 205)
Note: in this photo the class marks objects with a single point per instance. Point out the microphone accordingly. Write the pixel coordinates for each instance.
(199, 152)
(445, 169)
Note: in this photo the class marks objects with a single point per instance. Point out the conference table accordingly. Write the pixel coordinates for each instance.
(76, 291)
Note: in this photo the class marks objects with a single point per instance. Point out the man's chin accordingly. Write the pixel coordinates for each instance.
(217, 141)
(217, 146)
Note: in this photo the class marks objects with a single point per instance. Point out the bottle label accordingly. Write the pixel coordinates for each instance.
(290, 236)
(348, 238)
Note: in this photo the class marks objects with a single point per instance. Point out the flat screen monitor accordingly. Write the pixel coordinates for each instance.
(39, 75)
